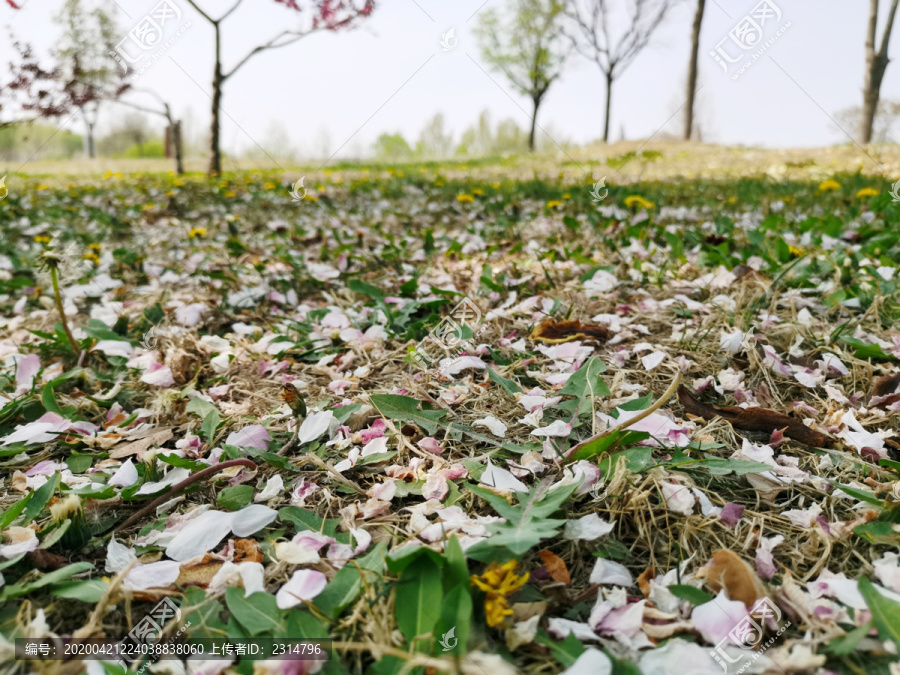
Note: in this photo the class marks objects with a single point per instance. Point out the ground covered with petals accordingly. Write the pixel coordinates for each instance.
(456, 421)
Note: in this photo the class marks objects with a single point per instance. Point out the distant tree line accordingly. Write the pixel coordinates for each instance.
(527, 43)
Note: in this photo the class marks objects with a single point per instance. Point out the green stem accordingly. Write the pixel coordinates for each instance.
(57, 298)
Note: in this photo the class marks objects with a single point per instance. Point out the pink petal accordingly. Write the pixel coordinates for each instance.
(26, 370)
(254, 436)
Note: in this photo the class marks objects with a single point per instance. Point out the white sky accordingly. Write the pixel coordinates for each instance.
(392, 75)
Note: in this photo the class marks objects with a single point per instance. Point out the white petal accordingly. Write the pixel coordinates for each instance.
(314, 425)
(494, 425)
(200, 535)
(303, 585)
(125, 476)
(610, 572)
(501, 479)
(118, 556)
(591, 662)
(274, 487)
(589, 527)
(154, 575)
(252, 519)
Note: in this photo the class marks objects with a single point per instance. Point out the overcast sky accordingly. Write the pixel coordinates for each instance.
(391, 74)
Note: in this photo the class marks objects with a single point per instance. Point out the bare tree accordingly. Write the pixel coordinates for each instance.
(87, 76)
(876, 64)
(692, 71)
(173, 129)
(317, 15)
(591, 34)
(529, 48)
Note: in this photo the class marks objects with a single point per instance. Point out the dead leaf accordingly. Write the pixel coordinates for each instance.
(247, 550)
(755, 419)
(199, 573)
(522, 611)
(140, 446)
(728, 571)
(554, 332)
(556, 567)
(886, 388)
(644, 580)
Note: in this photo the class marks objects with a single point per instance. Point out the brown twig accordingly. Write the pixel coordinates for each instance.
(178, 487)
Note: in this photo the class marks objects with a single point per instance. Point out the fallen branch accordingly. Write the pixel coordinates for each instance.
(634, 420)
(178, 487)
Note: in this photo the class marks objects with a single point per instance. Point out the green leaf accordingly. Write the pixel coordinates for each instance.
(181, 462)
(235, 497)
(865, 350)
(79, 463)
(597, 447)
(862, 495)
(210, 424)
(347, 583)
(586, 380)
(511, 387)
(457, 571)
(257, 613)
(398, 561)
(693, 595)
(13, 511)
(67, 572)
(566, 651)
(406, 409)
(362, 287)
(89, 590)
(885, 612)
(849, 642)
(878, 532)
(455, 621)
(49, 401)
(418, 605)
(42, 497)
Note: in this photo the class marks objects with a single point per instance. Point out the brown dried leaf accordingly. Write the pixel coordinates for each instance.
(644, 580)
(140, 446)
(886, 388)
(199, 573)
(730, 572)
(755, 419)
(554, 332)
(247, 550)
(556, 567)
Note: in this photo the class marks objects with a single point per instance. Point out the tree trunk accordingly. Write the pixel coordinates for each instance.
(537, 102)
(609, 84)
(692, 71)
(215, 156)
(89, 139)
(176, 142)
(876, 65)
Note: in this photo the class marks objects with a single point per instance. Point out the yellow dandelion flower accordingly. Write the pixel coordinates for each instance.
(867, 192)
(108, 175)
(465, 198)
(795, 251)
(636, 200)
(42, 239)
(554, 203)
(828, 185)
(478, 191)
(93, 257)
(146, 207)
(268, 186)
(42, 186)
(94, 248)
(197, 232)
(118, 174)
(567, 195)
(310, 197)
(499, 582)
(229, 194)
